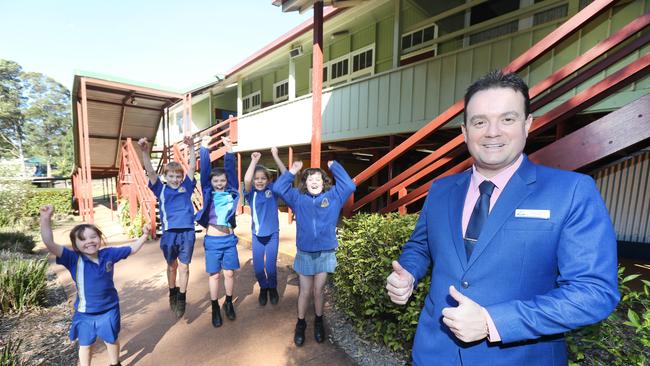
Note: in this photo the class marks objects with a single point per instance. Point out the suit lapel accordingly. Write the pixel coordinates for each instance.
(456, 203)
(517, 189)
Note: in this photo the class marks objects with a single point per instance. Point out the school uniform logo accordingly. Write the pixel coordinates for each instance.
(325, 202)
(268, 194)
(109, 266)
(181, 190)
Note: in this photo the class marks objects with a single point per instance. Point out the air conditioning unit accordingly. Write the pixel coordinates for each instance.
(295, 52)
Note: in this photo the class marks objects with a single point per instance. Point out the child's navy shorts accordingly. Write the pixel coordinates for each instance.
(87, 326)
(178, 243)
(220, 252)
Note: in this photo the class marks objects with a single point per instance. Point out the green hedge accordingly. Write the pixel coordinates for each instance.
(368, 243)
(60, 198)
(22, 282)
(131, 228)
(10, 354)
(13, 198)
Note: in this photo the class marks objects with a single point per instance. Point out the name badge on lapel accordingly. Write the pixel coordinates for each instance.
(533, 214)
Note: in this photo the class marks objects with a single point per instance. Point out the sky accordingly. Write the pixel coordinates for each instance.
(174, 44)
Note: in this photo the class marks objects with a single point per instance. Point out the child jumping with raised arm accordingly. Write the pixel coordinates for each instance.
(220, 197)
(258, 191)
(177, 220)
(317, 205)
(97, 307)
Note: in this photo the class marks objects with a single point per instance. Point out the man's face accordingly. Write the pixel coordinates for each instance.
(219, 182)
(496, 129)
(174, 179)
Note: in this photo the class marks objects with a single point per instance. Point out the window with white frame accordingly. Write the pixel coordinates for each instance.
(419, 38)
(339, 69)
(363, 61)
(252, 102)
(281, 91)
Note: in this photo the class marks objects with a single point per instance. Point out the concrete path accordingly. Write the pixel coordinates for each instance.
(151, 335)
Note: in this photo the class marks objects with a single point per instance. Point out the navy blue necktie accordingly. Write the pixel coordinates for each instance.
(479, 217)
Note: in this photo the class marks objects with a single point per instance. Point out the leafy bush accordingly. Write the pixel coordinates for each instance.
(13, 196)
(132, 228)
(60, 198)
(22, 282)
(10, 354)
(623, 338)
(368, 245)
(16, 242)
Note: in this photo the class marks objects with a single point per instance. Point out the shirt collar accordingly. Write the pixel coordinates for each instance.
(500, 180)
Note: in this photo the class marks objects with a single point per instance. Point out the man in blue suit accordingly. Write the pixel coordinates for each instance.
(521, 253)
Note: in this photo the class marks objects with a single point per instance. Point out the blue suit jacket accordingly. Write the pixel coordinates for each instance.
(536, 277)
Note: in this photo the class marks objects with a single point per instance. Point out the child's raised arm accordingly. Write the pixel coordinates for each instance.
(229, 165)
(284, 185)
(278, 162)
(146, 160)
(205, 166)
(344, 185)
(189, 142)
(248, 177)
(46, 231)
(135, 247)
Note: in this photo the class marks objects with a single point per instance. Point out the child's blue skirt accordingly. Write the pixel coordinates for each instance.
(311, 263)
(87, 326)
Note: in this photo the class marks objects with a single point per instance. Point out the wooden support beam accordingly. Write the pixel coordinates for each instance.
(612, 133)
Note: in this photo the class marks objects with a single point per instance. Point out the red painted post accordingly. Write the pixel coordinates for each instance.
(85, 138)
(317, 84)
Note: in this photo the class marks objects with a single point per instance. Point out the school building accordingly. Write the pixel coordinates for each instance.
(390, 93)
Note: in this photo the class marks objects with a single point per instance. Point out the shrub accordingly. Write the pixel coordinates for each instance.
(60, 198)
(22, 282)
(10, 354)
(132, 228)
(16, 242)
(623, 338)
(13, 196)
(368, 245)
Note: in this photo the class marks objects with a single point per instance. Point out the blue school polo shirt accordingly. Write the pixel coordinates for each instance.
(95, 288)
(264, 210)
(176, 209)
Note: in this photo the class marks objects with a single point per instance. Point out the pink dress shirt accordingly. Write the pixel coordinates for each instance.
(500, 180)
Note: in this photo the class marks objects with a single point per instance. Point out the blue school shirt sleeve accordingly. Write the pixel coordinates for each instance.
(344, 184)
(188, 183)
(156, 187)
(68, 258)
(204, 156)
(283, 187)
(231, 171)
(118, 253)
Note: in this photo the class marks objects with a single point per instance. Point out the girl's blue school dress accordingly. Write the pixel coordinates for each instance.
(265, 228)
(219, 209)
(316, 218)
(97, 307)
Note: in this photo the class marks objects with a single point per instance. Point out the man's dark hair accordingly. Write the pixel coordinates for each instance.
(497, 79)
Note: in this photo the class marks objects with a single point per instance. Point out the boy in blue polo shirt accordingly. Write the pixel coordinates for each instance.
(97, 307)
(177, 220)
(220, 198)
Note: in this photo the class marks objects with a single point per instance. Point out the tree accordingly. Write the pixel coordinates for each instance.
(47, 120)
(11, 117)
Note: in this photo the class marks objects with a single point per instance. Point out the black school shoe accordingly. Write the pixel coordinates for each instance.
(264, 294)
(216, 314)
(229, 309)
(273, 295)
(319, 330)
(173, 298)
(180, 305)
(299, 334)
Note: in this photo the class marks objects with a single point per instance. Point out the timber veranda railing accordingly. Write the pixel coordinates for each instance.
(448, 158)
(132, 184)
(178, 152)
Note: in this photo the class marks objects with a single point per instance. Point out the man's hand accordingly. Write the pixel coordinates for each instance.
(295, 167)
(256, 156)
(399, 284)
(46, 212)
(144, 144)
(467, 320)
